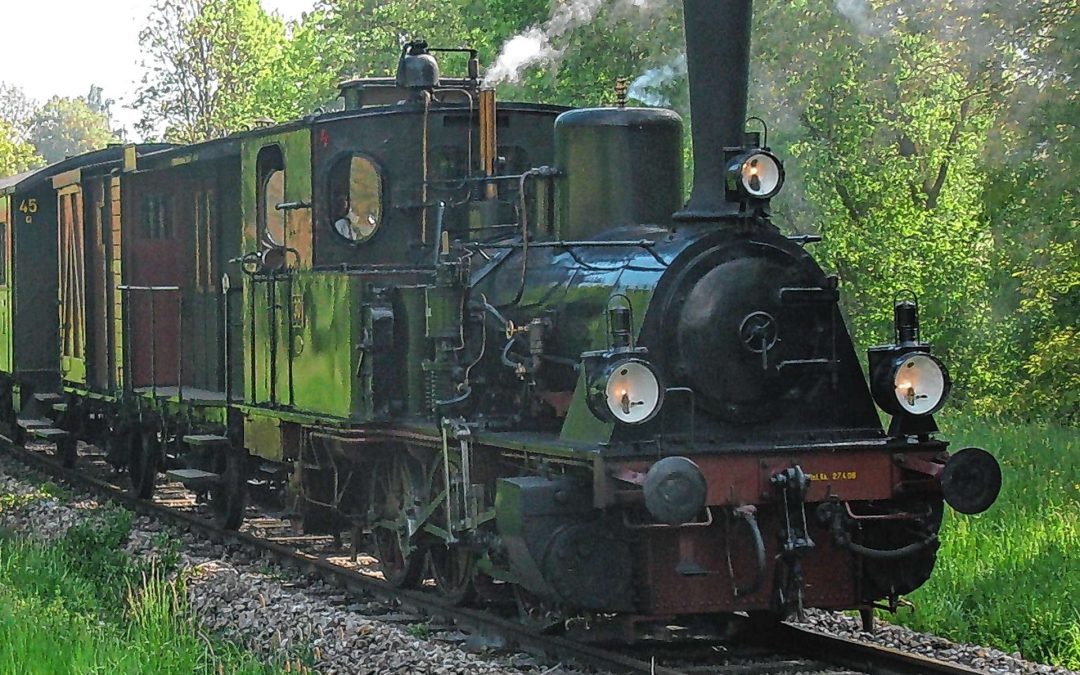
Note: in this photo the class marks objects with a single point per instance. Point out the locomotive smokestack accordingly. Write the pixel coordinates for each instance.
(718, 65)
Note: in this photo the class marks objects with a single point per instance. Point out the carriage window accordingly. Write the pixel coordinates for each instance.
(271, 192)
(206, 277)
(356, 198)
(156, 223)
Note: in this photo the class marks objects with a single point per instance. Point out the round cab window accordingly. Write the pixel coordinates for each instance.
(356, 198)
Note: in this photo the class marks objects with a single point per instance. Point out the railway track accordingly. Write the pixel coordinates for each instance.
(803, 651)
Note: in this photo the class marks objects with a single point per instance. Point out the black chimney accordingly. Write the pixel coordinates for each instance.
(718, 65)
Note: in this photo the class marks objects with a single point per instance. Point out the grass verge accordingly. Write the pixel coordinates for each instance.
(82, 605)
(1010, 577)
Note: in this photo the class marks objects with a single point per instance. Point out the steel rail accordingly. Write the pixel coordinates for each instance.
(822, 648)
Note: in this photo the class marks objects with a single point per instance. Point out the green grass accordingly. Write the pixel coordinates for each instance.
(81, 605)
(1010, 578)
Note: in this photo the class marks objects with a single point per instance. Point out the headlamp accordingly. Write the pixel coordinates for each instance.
(917, 385)
(905, 378)
(758, 174)
(627, 390)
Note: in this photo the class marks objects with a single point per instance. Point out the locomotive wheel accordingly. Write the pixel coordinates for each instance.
(144, 462)
(229, 497)
(396, 491)
(454, 569)
(537, 613)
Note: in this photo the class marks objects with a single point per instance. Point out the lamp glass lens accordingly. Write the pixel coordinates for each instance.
(920, 384)
(761, 175)
(633, 392)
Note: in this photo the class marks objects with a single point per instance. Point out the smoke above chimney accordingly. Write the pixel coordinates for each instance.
(647, 86)
(543, 45)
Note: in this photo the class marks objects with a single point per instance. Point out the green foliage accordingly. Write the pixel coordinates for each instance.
(1007, 578)
(208, 62)
(64, 127)
(16, 155)
(55, 619)
(95, 550)
(421, 631)
(47, 490)
(167, 548)
(930, 145)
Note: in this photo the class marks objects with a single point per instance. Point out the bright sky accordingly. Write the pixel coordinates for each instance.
(61, 47)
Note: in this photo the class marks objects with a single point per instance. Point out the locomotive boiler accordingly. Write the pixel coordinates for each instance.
(491, 342)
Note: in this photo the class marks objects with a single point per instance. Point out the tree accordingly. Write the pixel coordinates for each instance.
(1033, 203)
(15, 109)
(205, 62)
(68, 126)
(16, 155)
(343, 39)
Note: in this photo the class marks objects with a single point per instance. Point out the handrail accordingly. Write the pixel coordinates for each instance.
(153, 337)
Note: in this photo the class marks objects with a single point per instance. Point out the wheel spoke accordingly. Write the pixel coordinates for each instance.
(395, 491)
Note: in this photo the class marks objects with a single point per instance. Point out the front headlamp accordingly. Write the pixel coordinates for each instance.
(758, 174)
(627, 390)
(917, 384)
(905, 378)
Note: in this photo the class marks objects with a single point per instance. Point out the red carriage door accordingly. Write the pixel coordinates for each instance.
(156, 272)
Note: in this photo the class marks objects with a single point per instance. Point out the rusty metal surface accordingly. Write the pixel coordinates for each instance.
(668, 591)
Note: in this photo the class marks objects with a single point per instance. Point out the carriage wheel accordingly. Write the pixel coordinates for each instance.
(68, 451)
(144, 462)
(229, 497)
(454, 569)
(396, 491)
(119, 447)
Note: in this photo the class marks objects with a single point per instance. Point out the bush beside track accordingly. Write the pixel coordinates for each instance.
(1010, 578)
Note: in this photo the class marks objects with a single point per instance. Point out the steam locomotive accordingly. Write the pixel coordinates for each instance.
(491, 341)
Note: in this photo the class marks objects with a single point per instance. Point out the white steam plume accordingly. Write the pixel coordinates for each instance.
(645, 87)
(539, 45)
(523, 50)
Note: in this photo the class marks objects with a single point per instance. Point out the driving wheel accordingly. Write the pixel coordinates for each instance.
(394, 499)
(454, 569)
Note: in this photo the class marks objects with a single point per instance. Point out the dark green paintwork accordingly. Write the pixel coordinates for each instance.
(606, 184)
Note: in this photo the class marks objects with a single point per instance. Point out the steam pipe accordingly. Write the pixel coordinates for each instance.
(718, 66)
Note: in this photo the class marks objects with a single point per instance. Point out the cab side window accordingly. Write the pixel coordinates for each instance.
(270, 191)
(355, 198)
